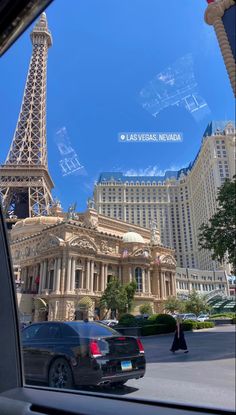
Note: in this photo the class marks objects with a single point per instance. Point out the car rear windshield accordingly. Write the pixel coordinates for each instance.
(92, 329)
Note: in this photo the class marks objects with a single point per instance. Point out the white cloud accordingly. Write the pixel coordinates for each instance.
(151, 171)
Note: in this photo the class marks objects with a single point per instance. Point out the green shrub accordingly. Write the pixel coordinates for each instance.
(128, 320)
(204, 325)
(166, 319)
(165, 328)
(197, 325)
(152, 319)
(146, 309)
(142, 322)
(188, 325)
(223, 315)
(162, 319)
(148, 330)
(233, 321)
(152, 329)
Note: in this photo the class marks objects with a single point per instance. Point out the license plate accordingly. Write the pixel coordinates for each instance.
(126, 365)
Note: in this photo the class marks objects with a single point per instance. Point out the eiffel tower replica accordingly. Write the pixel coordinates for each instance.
(25, 183)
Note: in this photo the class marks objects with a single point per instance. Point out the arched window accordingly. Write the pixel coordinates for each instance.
(138, 279)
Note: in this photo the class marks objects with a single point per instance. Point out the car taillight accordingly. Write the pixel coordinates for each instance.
(140, 346)
(94, 349)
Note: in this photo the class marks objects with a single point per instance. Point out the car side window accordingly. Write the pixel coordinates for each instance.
(67, 331)
(30, 332)
(48, 331)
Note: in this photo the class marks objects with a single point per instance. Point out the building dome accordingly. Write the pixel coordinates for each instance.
(29, 226)
(133, 237)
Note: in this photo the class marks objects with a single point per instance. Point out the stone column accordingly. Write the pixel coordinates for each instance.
(58, 276)
(105, 276)
(87, 274)
(54, 274)
(97, 281)
(161, 285)
(130, 274)
(143, 280)
(165, 285)
(149, 281)
(158, 286)
(72, 282)
(173, 284)
(68, 274)
(63, 272)
(102, 277)
(41, 277)
(82, 279)
(92, 276)
(34, 276)
(44, 275)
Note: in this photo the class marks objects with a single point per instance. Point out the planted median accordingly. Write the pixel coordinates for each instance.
(156, 324)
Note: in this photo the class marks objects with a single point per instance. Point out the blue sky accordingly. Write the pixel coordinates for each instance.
(104, 53)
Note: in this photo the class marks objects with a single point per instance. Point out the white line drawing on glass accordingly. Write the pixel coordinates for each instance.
(175, 86)
(69, 162)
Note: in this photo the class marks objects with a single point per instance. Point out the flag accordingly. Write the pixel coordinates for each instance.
(37, 279)
(125, 253)
(157, 260)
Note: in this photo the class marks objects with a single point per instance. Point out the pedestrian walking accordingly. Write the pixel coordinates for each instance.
(179, 339)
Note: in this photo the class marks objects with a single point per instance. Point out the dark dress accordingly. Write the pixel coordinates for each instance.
(179, 342)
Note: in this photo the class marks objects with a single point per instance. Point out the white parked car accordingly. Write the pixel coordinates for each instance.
(110, 323)
(189, 316)
(203, 317)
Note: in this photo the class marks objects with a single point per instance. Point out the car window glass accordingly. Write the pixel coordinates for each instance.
(67, 331)
(48, 331)
(30, 332)
(93, 330)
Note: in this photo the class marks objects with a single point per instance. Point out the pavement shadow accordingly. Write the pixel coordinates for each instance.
(202, 346)
(110, 390)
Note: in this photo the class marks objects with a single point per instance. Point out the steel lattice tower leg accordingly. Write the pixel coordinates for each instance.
(25, 183)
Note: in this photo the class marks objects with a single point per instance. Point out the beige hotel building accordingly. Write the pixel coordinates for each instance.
(180, 201)
(66, 263)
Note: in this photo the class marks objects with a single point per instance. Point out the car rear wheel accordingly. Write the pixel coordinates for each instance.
(60, 374)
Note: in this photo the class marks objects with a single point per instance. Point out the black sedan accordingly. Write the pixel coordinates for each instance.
(77, 353)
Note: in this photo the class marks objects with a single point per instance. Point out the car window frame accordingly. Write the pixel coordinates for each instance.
(9, 318)
(91, 324)
(27, 329)
(12, 365)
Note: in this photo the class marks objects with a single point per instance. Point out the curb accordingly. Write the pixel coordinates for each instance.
(157, 335)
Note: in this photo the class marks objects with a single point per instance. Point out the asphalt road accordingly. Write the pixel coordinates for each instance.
(205, 376)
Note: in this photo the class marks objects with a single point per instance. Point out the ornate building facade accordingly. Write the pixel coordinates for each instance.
(180, 201)
(66, 264)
